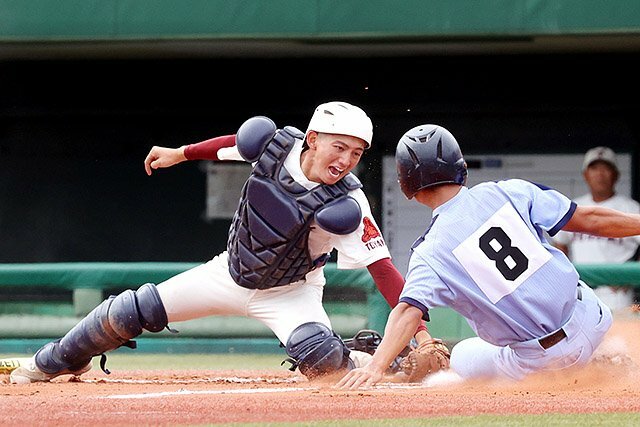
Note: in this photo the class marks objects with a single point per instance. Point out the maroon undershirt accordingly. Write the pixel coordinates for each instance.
(208, 149)
(389, 282)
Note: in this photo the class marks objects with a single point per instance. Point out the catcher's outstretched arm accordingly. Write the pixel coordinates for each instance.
(402, 324)
(210, 149)
(163, 157)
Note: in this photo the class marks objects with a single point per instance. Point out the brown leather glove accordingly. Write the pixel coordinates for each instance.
(429, 357)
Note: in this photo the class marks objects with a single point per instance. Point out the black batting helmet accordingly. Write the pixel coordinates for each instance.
(428, 155)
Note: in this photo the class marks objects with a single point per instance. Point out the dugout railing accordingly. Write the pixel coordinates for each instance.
(42, 301)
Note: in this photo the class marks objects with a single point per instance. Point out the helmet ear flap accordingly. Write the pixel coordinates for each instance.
(463, 172)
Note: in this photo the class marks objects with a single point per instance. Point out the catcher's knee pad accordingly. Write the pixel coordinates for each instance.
(110, 325)
(153, 316)
(316, 350)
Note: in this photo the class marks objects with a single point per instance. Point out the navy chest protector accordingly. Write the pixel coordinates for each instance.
(268, 239)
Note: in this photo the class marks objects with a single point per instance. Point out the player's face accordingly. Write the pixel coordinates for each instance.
(332, 156)
(601, 178)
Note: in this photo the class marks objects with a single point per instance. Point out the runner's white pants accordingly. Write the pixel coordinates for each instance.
(585, 330)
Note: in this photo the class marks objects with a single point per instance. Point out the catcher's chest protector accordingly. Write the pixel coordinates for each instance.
(268, 239)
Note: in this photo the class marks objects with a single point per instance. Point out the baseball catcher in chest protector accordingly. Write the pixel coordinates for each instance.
(300, 202)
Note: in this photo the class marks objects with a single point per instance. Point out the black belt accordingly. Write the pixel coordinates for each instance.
(553, 339)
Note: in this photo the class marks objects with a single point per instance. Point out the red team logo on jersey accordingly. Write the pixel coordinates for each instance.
(370, 230)
(371, 237)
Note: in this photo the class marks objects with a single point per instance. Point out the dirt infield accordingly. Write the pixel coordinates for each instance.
(609, 384)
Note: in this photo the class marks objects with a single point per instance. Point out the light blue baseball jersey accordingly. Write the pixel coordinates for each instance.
(485, 256)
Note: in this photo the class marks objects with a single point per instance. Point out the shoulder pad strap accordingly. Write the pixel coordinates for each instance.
(352, 182)
(295, 132)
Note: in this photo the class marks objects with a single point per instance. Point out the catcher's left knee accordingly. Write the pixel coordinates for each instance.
(316, 350)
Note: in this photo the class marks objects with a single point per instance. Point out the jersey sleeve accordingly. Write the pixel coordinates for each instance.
(549, 209)
(423, 287)
(365, 245)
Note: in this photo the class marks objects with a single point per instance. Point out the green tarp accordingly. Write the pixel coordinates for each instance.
(89, 20)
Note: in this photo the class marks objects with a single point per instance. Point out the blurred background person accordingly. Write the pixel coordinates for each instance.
(600, 172)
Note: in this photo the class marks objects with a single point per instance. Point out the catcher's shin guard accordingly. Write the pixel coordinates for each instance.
(110, 325)
(316, 350)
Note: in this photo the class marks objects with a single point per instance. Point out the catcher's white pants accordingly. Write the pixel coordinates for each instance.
(208, 290)
(585, 330)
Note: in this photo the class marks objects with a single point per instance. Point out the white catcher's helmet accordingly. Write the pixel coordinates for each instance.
(343, 119)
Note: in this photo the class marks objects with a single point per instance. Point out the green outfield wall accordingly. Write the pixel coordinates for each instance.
(351, 300)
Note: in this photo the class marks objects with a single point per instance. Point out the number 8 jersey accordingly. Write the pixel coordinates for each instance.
(486, 256)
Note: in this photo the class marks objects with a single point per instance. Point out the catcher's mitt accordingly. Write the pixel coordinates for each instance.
(429, 357)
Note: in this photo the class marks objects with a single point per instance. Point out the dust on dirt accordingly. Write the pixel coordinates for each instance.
(608, 384)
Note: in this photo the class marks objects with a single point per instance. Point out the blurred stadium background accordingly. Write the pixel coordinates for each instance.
(87, 87)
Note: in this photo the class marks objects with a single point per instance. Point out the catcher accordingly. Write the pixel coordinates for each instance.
(300, 202)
